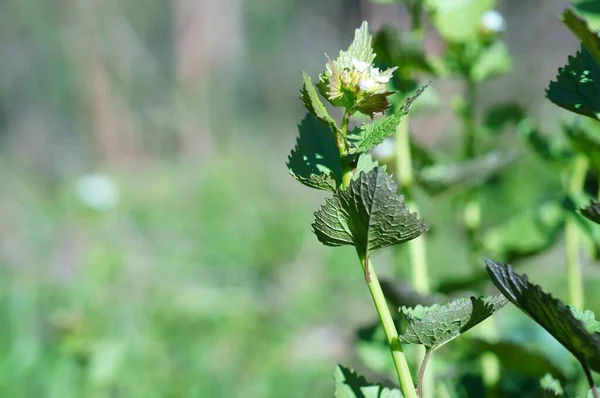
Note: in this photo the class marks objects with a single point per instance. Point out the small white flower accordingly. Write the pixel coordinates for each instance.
(360, 66)
(379, 78)
(97, 191)
(367, 84)
(493, 21)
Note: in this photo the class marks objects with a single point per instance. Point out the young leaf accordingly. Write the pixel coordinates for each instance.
(580, 28)
(438, 178)
(436, 325)
(368, 214)
(313, 103)
(370, 135)
(577, 86)
(550, 313)
(350, 385)
(592, 212)
(364, 165)
(315, 160)
(552, 386)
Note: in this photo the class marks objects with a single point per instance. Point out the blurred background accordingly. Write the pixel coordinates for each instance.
(152, 243)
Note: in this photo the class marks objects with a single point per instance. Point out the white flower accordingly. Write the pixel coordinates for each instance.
(379, 78)
(97, 191)
(360, 66)
(493, 21)
(367, 84)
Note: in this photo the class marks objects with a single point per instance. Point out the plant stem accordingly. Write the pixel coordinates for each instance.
(590, 379)
(391, 334)
(347, 170)
(428, 353)
(574, 273)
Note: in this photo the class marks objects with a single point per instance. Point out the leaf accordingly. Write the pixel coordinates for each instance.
(315, 160)
(313, 103)
(590, 10)
(370, 135)
(582, 31)
(438, 178)
(498, 116)
(551, 385)
(350, 385)
(585, 140)
(459, 20)
(577, 86)
(592, 212)
(436, 325)
(494, 60)
(375, 104)
(587, 318)
(368, 214)
(527, 233)
(548, 312)
(364, 165)
(548, 150)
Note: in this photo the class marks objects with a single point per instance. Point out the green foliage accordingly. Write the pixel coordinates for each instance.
(585, 140)
(559, 320)
(582, 31)
(315, 161)
(458, 21)
(370, 135)
(313, 103)
(493, 61)
(437, 325)
(350, 385)
(368, 214)
(439, 177)
(577, 86)
(592, 212)
(551, 385)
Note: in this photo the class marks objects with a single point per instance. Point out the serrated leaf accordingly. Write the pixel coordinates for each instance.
(526, 233)
(375, 104)
(582, 31)
(588, 318)
(551, 385)
(350, 385)
(493, 61)
(458, 20)
(438, 178)
(313, 103)
(368, 214)
(370, 135)
(548, 312)
(315, 160)
(577, 86)
(592, 212)
(437, 325)
(361, 48)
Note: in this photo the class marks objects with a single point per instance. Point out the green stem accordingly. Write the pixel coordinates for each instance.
(428, 353)
(574, 273)
(347, 170)
(391, 334)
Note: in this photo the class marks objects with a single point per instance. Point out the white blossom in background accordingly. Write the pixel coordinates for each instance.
(493, 21)
(97, 191)
(385, 150)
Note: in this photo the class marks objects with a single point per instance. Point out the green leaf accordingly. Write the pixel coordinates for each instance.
(364, 165)
(588, 318)
(577, 86)
(350, 385)
(525, 234)
(582, 31)
(368, 214)
(370, 135)
(549, 149)
(592, 212)
(552, 386)
(549, 313)
(313, 103)
(315, 160)
(437, 325)
(590, 10)
(458, 20)
(361, 48)
(493, 61)
(438, 178)
(585, 139)
(499, 115)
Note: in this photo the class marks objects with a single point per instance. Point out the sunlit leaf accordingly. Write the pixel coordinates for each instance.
(552, 386)
(365, 164)
(350, 385)
(368, 214)
(550, 313)
(313, 103)
(315, 159)
(437, 325)
(582, 31)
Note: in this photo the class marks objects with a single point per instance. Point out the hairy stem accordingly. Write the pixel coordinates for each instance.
(590, 379)
(347, 169)
(391, 334)
(574, 274)
(422, 372)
